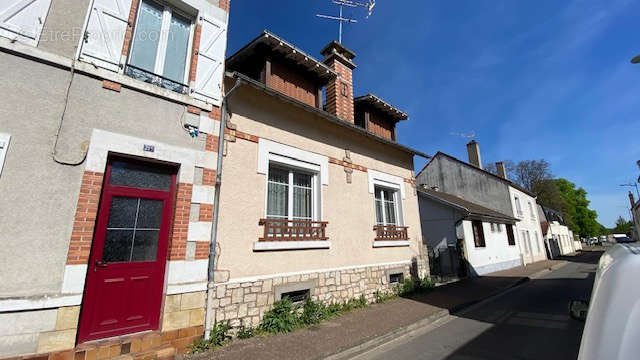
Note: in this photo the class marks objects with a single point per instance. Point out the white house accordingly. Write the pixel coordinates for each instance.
(556, 233)
(485, 237)
(528, 230)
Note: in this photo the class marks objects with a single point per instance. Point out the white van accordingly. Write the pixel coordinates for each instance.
(612, 327)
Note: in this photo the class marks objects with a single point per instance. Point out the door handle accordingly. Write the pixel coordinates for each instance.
(101, 264)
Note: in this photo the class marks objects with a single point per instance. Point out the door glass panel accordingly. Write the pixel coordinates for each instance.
(178, 39)
(146, 176)
(122, 213)
(117, 245)
(145, 245)
(147, 36)
(150, 214)
(133, 230)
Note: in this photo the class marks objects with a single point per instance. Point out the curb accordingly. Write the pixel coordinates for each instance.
(431, 319)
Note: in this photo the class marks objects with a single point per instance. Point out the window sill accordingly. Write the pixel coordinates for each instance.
(390, 243)
(290, 245)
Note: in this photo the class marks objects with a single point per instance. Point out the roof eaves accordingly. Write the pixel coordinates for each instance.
(443, 201)
(383, 105)
(324, 114)
(266, 34)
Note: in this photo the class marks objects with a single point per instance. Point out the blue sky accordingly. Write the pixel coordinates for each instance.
(532, 79)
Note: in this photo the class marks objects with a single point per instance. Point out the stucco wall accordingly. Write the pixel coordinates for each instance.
(530, 222)
(438, 223)
(43, 194)
(470, 184)
(348, 208)
(496, 255)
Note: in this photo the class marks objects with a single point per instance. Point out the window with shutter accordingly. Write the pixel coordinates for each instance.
(105, 32)
(211, 52)
(22, 20)
(4, 145)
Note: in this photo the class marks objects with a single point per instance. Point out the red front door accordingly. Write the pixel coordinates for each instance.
(125, 276)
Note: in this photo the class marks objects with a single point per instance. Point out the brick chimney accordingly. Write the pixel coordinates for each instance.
(474, 154)
(502, 171)
(340, 90)
(631, 199)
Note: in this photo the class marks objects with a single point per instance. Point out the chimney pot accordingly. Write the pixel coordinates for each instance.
(473, 149)
(502, 171)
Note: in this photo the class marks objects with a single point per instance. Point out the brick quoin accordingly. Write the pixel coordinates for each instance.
(208, 177)
(212, 143)
(206, 212)
(111, 85)
(128, 35)
(178, 242)
(194, 53)
(85, 218)
(215, 113)
(202, 250)
(224, 5)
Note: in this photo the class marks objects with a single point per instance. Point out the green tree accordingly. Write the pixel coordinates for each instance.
(622, 226)
(579, 218)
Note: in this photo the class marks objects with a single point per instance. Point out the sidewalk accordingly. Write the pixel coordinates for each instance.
(360, 326)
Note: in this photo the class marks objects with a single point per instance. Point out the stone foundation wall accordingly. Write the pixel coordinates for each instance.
(244, 303)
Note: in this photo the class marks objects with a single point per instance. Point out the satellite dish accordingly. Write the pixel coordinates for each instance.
(636, 59)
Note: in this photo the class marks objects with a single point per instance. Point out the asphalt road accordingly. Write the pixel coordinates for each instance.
(528, 322)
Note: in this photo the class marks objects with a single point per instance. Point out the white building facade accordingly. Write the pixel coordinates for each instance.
(528, 231)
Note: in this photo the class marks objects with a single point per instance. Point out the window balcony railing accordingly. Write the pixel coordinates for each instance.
(391, 232)
(151, 78)
(293, 230)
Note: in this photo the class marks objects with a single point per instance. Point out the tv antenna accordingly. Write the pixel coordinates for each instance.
(368, 5)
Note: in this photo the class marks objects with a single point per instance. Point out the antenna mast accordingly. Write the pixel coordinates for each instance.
(369, 5)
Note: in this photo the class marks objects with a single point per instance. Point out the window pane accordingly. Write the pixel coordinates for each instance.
(122, 212)
(117, 245)
(277, 193)
(177, 44)
(301, 203)
(145, 245)
(303, 180)
(137, 175)
(379, 219)
(390, 212)
(377, 193)
(147, 36)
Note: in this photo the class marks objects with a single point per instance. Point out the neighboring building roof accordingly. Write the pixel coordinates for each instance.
(327, 116)
(382, 106)
(472, 209)
(269, 42)
(553, 215)
(506, 181)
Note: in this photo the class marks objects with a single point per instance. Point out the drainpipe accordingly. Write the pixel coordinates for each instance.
(216, 212)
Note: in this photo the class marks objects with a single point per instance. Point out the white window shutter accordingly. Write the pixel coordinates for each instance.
(104, 35)
(22, 20)
(211, 52)
(4, 145)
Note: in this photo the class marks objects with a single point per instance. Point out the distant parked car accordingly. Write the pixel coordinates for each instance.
(612, 325)
(622, 238)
